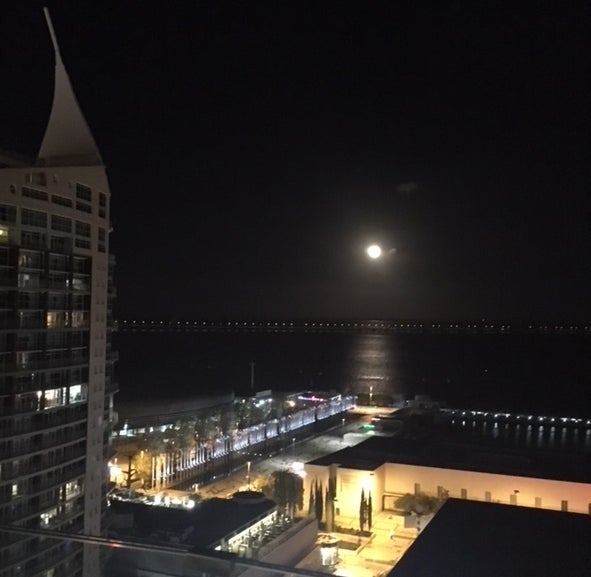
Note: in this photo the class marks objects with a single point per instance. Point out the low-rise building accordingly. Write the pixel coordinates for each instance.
(389, 467)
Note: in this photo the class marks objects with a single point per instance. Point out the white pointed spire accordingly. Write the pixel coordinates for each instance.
(67, 134)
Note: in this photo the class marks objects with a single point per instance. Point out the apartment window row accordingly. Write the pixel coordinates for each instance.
(39, 341)
(31, 424)
(71, 319)
(51, 398)
(41, 380)
(14, 450)
(35, 280)
(34, 193)
(38, 359)
(37, 218)
(46, 470)
(39, 259)
(35, 446)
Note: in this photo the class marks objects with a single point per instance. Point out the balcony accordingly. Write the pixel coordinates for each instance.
(33, 448)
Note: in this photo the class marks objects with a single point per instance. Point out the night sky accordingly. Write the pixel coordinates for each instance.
(255, 148)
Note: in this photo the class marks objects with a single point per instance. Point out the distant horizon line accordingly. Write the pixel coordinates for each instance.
(400, 325)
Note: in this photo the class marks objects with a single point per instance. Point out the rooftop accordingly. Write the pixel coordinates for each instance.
(474, 539)
(201, 526)
(462, 452)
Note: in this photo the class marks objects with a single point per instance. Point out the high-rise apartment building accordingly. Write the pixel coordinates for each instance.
(56, 363)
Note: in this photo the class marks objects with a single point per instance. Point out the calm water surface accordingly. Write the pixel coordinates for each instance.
(544, 374)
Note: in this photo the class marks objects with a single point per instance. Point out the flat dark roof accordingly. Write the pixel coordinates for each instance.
(463, 453)
(208, 522)
(474, 539)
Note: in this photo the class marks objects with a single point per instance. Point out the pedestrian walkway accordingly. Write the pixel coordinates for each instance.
(372, 557)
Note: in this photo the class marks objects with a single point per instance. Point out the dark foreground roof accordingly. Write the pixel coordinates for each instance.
(463, 453)
(202, 526)
(473, 539)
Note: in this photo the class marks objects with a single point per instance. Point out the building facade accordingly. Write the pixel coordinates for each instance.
(56, 363)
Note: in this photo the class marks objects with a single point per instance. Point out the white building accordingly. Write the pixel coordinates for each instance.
(388, 468)
(56, 384)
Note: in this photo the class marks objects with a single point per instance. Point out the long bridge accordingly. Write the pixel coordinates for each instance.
(361, 326)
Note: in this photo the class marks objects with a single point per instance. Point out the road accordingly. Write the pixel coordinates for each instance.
(294, 455)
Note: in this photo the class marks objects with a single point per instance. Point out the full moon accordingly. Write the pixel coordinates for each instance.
(374, 251)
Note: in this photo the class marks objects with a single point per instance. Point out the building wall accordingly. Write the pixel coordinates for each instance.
(55, 340)
(402, 479)
(391, 480)
(350, 483)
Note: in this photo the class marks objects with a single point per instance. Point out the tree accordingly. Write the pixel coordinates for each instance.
(329, 507)
(369, 511)
(362, 511)
(420, 504)
(311, 500)
(131, 475)
(329, 510)
(288, 491)
(319, 502)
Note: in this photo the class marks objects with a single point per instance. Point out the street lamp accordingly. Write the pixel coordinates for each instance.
(370, 393)
(248, 474)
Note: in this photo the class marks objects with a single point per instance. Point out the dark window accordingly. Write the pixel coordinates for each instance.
(61, 243)
(102, 199)
(7, 213)
(101, 234)
(84, 207)
(33, 239)
(61, 223)
(61, 200)
(58, 262)
(34, 218)
(82, 229)
(83, 192)
(82, 243)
